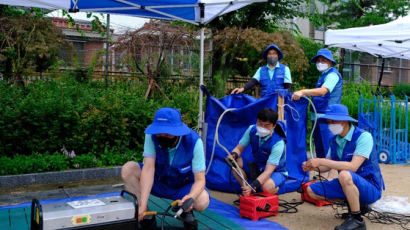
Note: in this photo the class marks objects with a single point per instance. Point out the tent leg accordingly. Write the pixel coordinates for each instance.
(107, 50)
(381, 74)
(201, 69)
(201, 82)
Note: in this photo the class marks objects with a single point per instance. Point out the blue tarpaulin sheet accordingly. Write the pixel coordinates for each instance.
(232, 213)
(216, 206)
(235, 123)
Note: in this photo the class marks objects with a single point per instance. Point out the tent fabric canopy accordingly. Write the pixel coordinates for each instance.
(181, 10)
(390, 40)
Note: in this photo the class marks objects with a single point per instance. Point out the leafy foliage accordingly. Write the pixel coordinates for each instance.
(263, 16)
(27, 43)
(21, 164)
(399, 89)
(96, 24)
(238, 52)
(85, 117)
(353, 13)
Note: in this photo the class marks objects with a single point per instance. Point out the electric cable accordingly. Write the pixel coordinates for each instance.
(235, 165)
(182, 208)
(289, 207)
(312, 150)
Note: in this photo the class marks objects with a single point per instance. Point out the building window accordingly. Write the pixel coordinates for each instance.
(80, 52)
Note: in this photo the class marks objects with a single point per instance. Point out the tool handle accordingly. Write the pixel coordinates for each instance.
(187, 203)
(228, 162)
(184, 207)
(149, 213)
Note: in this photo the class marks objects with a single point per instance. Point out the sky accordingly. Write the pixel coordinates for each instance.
(119, 23)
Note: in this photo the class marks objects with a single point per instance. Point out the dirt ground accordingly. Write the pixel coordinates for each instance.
(396, 178)
(397, 181)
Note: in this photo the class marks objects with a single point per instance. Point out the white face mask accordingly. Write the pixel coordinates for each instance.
(336, 129)
(262, 132)
(321, 66)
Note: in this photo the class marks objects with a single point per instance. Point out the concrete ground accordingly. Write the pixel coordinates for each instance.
(397, 181)
(396, 177)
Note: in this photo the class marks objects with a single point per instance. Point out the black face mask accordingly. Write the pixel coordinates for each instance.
(272, 60)
(167, 142)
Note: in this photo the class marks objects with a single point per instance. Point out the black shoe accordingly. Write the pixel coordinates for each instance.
(236, 202)
(346, 215)
(352, 224)
(189, 220)
(364, 208)
(149, 223)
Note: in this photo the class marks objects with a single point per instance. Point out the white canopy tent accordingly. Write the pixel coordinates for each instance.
(390, 40)
(197, 12)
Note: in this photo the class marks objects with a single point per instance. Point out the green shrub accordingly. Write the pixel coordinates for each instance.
(21, 164)
(87, 117)
(400, 88)
(350, 97)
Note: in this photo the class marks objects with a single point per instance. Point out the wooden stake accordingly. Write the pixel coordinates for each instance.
(281, 112)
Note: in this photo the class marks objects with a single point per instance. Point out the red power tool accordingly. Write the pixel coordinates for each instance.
(305, 196)
(258, 205)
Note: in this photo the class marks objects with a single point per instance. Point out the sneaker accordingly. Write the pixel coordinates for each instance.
(352, 224)
(189, 220)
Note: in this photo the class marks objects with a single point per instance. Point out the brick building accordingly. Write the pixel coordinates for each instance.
(85, 45)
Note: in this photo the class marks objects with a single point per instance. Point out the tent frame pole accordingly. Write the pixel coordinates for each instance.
(381, 73)
(107, 50)
(201, 68)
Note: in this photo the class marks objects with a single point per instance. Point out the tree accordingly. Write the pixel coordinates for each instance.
(263, 16)
(28, 42)
(355, 13)
(147, 48)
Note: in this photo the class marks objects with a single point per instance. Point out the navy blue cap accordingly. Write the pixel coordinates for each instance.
(168, 120)
(272, 46)
(337, 112)
(324, 53)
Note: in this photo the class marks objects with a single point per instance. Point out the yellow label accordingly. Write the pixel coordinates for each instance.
(81, 220)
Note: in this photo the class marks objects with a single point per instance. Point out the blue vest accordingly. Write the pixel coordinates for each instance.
(269, 86)
(335, 97)
(369, 169)
(261, 153)
(179, 173)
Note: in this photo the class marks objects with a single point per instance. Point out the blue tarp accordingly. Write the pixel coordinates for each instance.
(235, 123)
(219, 207)
(232, 213)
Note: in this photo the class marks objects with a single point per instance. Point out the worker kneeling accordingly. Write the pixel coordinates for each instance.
(353, 155)
(174, 167)
(268, 168)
